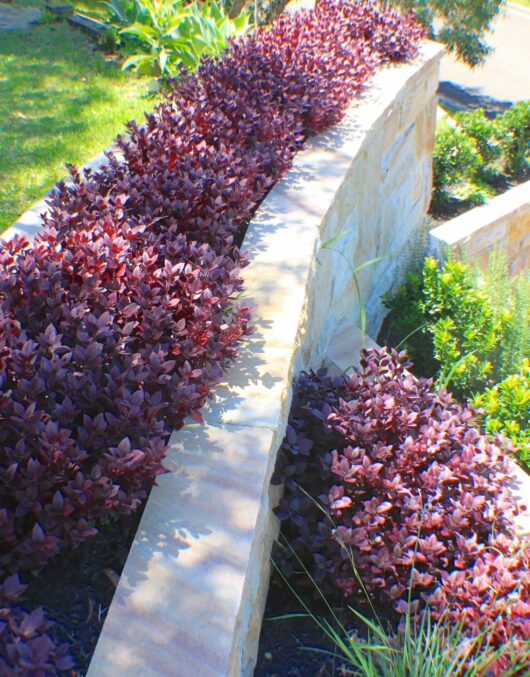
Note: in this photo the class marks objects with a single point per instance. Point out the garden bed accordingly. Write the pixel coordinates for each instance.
(367, 428)
(187, 558)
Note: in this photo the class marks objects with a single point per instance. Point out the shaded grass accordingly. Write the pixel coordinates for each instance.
(59, 102)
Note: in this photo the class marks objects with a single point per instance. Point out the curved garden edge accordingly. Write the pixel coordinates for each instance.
(193, 589)
(503, 220)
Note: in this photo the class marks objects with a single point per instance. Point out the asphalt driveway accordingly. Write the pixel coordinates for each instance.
(504, 78)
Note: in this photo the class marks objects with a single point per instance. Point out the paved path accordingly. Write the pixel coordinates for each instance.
(505, 77)
(13, 18)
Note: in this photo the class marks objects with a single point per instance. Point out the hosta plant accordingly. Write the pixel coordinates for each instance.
(383, 471)
(165, 36)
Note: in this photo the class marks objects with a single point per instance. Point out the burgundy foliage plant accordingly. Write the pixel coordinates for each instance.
(390, 483)
(118, 320)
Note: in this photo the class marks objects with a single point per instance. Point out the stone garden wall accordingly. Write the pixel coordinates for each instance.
(191, 597)
(504, 221)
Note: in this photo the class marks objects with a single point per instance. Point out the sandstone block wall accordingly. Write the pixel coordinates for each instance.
(504, 221)
(377, 211)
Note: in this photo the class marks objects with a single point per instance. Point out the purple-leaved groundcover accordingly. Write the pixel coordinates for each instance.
(122, 316)
(391, 483)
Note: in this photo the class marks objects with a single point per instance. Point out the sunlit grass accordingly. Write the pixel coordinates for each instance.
(59, 102)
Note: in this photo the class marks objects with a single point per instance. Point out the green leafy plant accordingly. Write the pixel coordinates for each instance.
(468, 328)
(465, 330)
(405, 325)
(483, 131)
(455, 157)
(506, 409)
(472, 152)
(478, 321)
(513, 129)
(164, 36)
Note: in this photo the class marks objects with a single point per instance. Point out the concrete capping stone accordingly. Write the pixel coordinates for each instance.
(502, 221)
(191, 597)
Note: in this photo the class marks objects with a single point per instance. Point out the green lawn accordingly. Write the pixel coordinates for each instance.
(524, 3)
(59, 102)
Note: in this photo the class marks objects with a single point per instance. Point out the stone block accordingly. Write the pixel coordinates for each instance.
(400, 155)
(519, 223)
(180, 594)
(504, 221)
(344, 350)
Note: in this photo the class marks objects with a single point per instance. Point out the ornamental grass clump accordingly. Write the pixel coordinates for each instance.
(123, 314)
(391, 491)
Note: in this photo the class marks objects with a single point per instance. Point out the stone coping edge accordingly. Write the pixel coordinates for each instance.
(502, 220)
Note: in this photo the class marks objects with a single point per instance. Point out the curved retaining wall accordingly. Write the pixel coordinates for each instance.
(191, 597)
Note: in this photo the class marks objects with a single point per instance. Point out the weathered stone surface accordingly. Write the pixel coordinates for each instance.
(344, 350)
(502, 222)
(15, 18)
(178, 604)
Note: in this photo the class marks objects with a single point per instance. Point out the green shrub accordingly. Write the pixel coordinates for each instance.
(483, 131)
(455, 157)
(479, 322)
(513, 130)
(467, 328)
(465, 331)
(506, 410)
(469, 155)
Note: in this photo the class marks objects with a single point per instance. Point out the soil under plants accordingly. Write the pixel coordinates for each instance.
(292, 646)
(77, 586)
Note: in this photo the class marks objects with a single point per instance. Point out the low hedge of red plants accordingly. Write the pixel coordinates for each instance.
(389, 482)
(120, 318)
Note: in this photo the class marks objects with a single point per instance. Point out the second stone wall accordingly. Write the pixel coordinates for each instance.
(503, 222)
